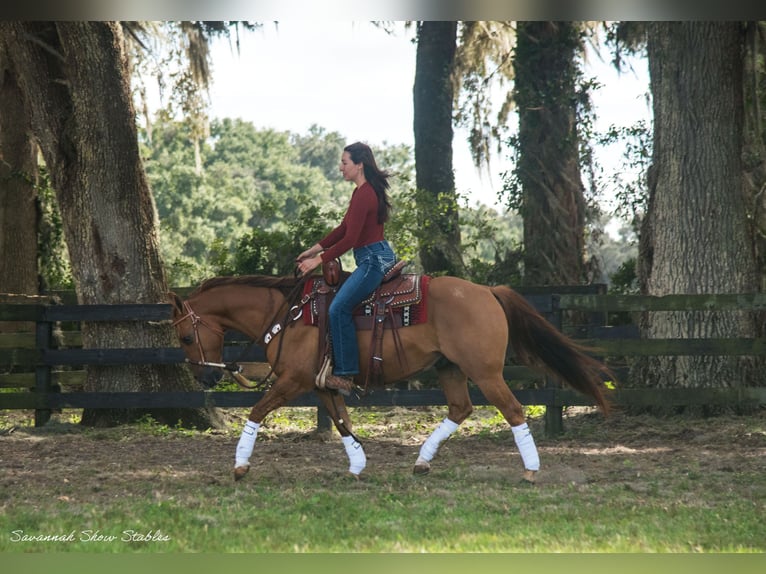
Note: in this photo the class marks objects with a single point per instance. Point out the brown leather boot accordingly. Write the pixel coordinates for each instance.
(343, 385)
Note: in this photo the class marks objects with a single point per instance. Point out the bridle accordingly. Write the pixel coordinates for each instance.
(196, 321)
(293, 314)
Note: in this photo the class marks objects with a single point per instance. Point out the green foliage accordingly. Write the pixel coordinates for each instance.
(149, 425)
(252, 184)
(625, 281)
(321, 150)
(491, 245)
(273, 252)
(55, 270)
(263, 196)
(402, 227)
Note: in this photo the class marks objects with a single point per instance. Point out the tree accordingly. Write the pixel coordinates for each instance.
(754, 153)
(433, 98)
(551, 193)
(75, 85)
(695, 237)
(18, 194)
(251, 180)
(321, 149)
(483, 68)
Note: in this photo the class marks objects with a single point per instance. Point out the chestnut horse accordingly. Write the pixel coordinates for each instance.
(468, 332)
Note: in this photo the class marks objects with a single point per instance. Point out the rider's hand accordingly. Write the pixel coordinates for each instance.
(310, 252)
(307, 264)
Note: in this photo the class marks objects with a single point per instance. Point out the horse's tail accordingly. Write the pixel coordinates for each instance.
(538, 344)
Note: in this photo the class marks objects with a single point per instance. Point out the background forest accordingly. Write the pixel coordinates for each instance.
(262, 194)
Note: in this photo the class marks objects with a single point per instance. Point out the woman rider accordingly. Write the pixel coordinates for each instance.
(361, 230)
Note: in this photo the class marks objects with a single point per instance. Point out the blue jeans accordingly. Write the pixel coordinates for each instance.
(372, 263)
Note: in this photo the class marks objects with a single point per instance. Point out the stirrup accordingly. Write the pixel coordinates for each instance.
(341, 384)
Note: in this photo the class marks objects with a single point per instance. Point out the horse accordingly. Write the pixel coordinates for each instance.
(469, 330)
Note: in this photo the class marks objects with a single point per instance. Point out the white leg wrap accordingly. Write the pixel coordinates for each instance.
(246, 444)
(442, 433)
(526, 444)
(356, 458)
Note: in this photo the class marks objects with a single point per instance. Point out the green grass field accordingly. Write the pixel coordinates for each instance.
(624, 485)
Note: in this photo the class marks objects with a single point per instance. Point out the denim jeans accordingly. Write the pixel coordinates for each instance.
(372, 263)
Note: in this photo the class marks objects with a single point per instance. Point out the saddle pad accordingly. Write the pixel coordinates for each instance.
(409, 303)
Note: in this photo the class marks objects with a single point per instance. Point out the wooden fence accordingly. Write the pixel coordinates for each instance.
(41, 372)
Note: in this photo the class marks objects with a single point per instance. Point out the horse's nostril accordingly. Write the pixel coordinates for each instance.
(210, 377)
(209, 384)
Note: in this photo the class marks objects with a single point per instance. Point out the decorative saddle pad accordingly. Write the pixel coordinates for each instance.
(406, 295)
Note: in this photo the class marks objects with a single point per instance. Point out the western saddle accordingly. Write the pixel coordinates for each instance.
(376, 313)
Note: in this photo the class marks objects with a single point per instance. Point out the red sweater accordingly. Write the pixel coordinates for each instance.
(359, 227)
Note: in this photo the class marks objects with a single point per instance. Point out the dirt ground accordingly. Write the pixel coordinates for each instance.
(66, 460)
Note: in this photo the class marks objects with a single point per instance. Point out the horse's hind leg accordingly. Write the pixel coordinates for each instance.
(453, 383)
(497, 392)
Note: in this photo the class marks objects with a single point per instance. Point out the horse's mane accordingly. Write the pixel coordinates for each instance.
(284, 284)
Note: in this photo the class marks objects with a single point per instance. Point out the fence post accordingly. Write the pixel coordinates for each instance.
(323, 419)
(43, 339)
(554, 414)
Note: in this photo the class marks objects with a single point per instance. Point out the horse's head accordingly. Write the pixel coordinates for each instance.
(201, 340)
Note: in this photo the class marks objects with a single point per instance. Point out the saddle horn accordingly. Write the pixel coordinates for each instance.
(331, 272)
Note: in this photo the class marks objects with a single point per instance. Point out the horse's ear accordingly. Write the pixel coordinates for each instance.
(175, 300)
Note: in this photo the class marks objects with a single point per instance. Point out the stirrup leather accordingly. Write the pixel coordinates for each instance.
(321, 379)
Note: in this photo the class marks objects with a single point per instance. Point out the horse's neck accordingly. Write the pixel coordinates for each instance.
(250, 310)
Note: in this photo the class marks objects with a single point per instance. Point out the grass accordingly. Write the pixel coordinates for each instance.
(406, 515)
(292, 502)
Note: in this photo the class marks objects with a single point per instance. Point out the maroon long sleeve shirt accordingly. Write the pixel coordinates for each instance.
(359, 227)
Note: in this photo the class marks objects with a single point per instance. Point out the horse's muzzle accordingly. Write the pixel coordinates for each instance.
(209, 376)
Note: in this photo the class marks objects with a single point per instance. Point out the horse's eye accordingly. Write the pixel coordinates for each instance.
(187, 339)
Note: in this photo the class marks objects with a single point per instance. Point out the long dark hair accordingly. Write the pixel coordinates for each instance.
(378, 179)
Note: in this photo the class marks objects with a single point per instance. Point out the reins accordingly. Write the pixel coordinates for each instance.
(294, 312)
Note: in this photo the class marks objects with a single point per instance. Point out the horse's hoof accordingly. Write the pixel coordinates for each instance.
(240, 472)
(421, 469)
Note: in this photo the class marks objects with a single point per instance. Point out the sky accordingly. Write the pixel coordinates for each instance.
(355, 79)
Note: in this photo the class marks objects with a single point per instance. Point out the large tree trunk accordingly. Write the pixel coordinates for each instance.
(18, 197)
(548, 169)
(754, 153)
(695, 236)
(75, 79)
(433, 97)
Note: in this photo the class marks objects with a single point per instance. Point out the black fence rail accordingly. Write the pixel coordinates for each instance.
(41, 369)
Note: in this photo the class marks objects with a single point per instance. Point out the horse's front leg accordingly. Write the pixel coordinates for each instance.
(283, 391)
(336, 406)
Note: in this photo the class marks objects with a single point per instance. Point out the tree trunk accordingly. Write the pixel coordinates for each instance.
(754, 153)
(548, 169)
(75, 79)
(435, 180)
(696, 237)
(18, 197)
